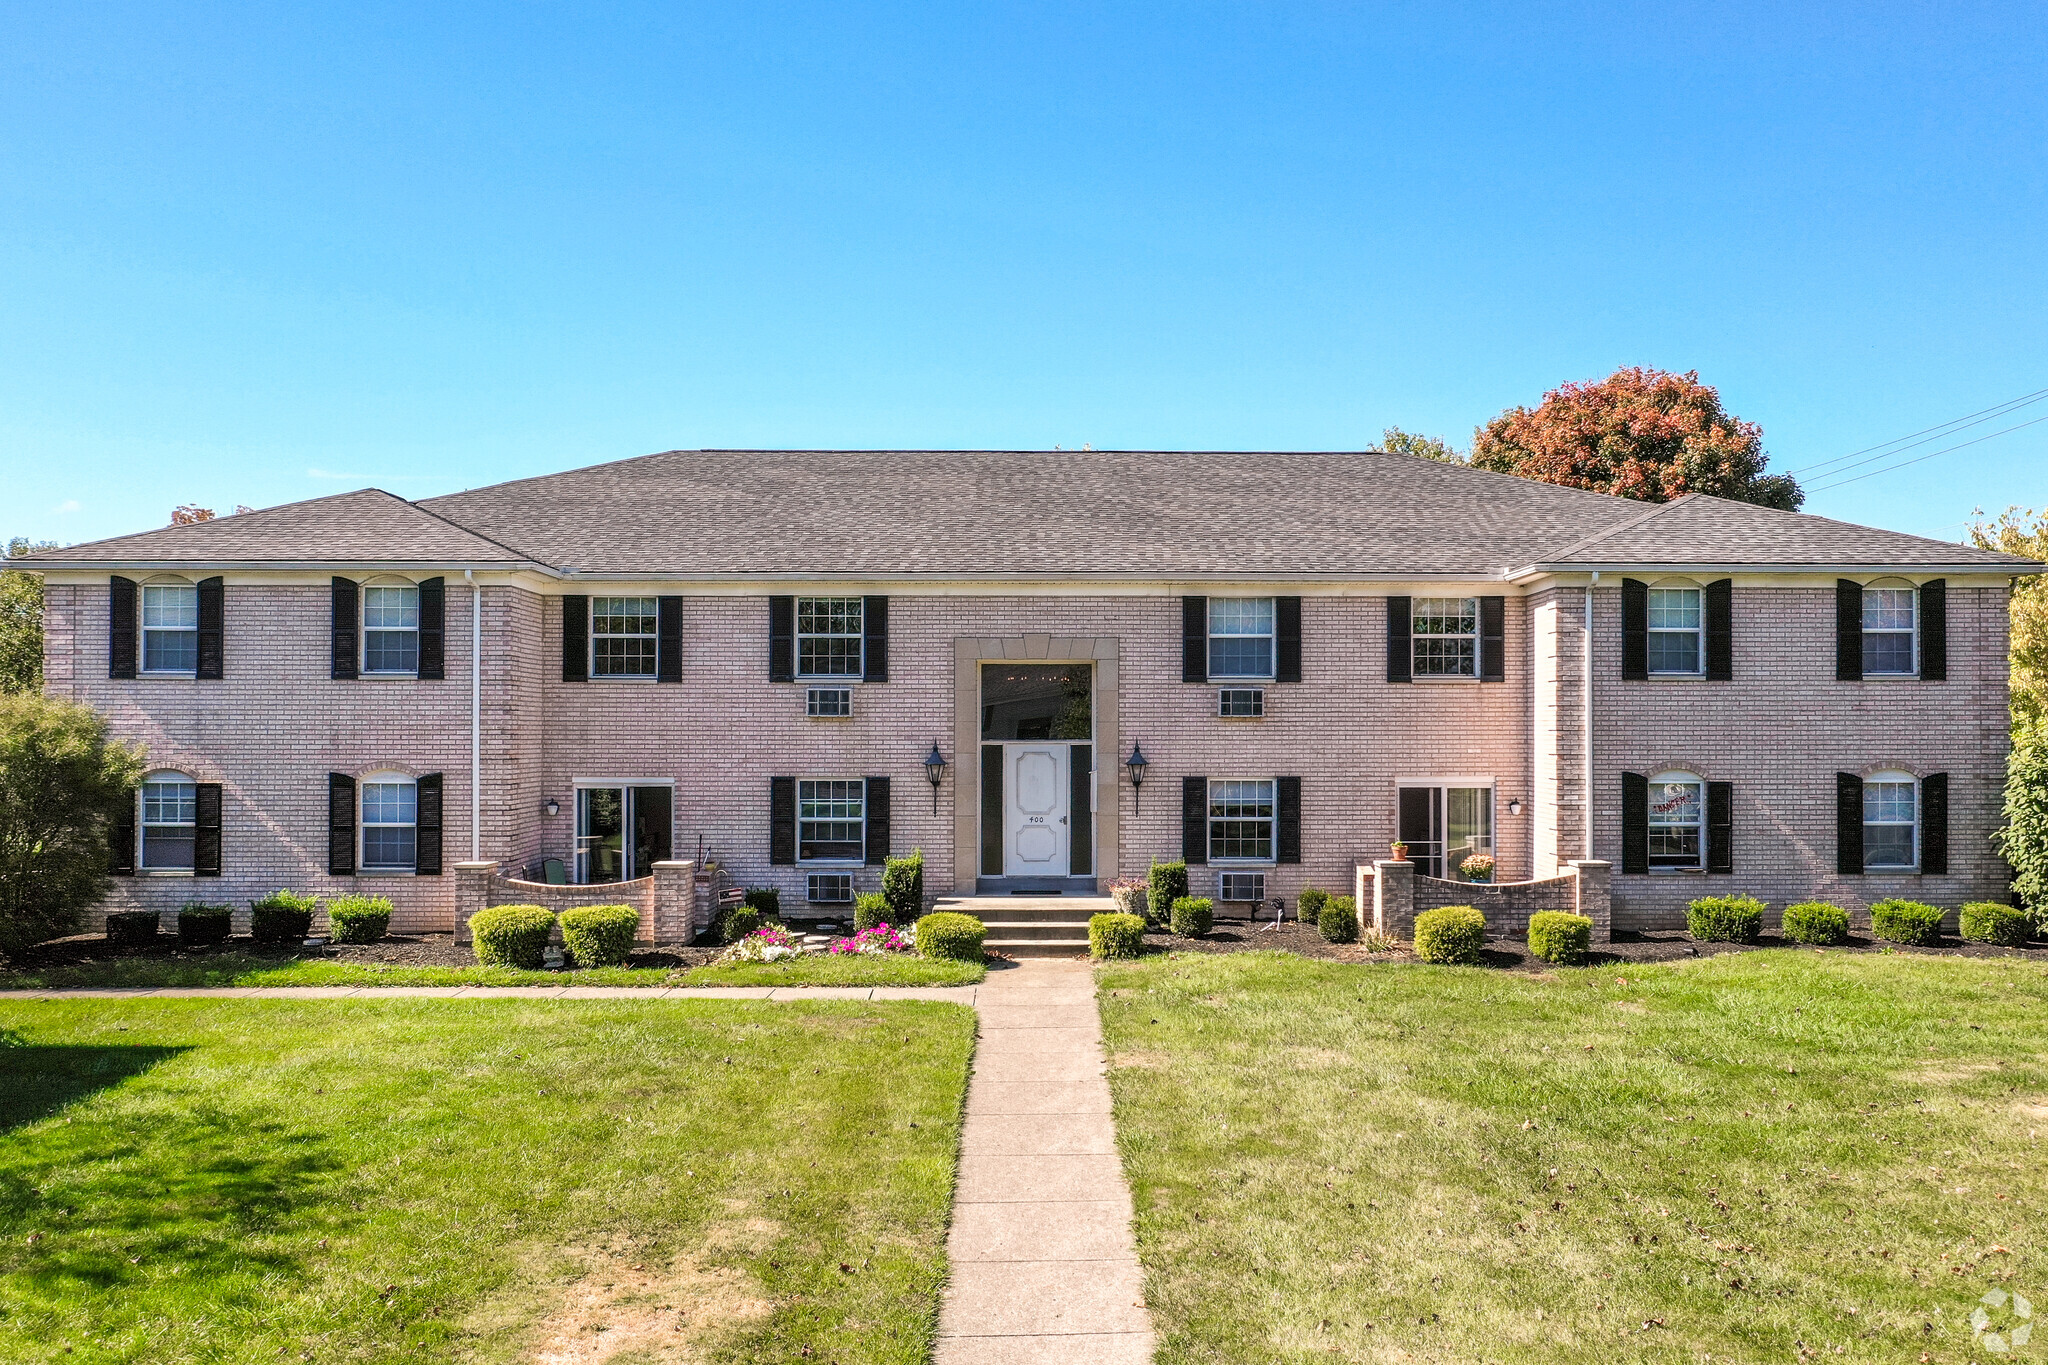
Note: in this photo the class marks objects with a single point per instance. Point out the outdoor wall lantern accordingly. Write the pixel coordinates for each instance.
(1514, 805)
(551, 806)
(1137, 763)
(935, 773)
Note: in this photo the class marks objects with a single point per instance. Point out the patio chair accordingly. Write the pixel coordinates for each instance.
(554, 872)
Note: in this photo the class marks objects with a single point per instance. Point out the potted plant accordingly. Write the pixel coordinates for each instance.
(1400, 852)
(1478, 867)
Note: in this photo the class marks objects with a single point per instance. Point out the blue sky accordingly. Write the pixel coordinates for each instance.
(260, 254)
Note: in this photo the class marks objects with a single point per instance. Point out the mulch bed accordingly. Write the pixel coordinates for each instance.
(398, 950)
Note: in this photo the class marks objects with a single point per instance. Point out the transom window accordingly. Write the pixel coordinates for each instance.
(1675, 617)
(828, 631)
(622, 637)
(1446, 637)
(391, 628)
(170, 815)
(1240, 637)
(1891, 820)
(390, 815)
(1677, 821)
(1888, 629)
(170, 628)
(831, 820)
(1241, 820)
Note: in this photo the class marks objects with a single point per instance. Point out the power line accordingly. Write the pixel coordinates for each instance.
(1940, 430)
(1858, 478)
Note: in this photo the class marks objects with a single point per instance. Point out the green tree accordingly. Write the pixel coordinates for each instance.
(2019, 532)
(62, 784)
(1639, 433)
(1399, 442)
(2024, 838)
(21, 622)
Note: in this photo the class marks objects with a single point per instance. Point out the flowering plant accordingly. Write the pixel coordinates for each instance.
(872, 942)
(771, 944)
(1478, 867)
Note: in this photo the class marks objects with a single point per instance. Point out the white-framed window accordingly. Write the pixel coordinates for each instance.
(1240, 637)
(170, 627)
(1445, 637)
(828, 635)
(622, 637)
(1890, 616)
(170, 818)
(1241, 886)
(1678, 821)
(391, 627)
(1241, 820)
(829, 702)
(390, 805)
(1891, 821)
(831, 819)
(1676, 619)
(1241, 703)
(829, 888)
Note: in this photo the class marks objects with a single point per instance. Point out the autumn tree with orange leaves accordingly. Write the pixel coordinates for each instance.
(1639, 433)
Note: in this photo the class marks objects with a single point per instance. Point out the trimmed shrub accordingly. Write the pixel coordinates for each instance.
(903, 887)
(1453, 934)
(131, 926)
(1990, 922)
(199, 924)
(736, 923)
(1115, 935)
(1561, 937)
(1164, 884)
(358, 919)
(871, 908)
(281, 917)
(512, 935)
(1193, 916)
(1338, 919)
(766, 900)
(1816, 922)
(1908, 922)
(599, 935)
(1309, 905)
(951, 936)
(1725, 919)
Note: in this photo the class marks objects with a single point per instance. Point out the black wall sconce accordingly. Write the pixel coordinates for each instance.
(551, 806)
(1514, 805)
(935, 773)
(1137, 763)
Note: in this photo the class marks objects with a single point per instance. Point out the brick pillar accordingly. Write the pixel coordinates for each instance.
(1595, 890)
(1393, 898)
(472, 893)
(675, 903)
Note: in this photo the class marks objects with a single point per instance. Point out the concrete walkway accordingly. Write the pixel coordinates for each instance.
(957, 995)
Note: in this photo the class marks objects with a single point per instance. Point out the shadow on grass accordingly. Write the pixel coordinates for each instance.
(37, 1080)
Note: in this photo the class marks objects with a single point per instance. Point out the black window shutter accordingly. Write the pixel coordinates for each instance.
(1080, 814)
(1493, 631)
(1635, 631)
(1287, 819)
(991, 810)
(211, 639)
(782, 639)
(434, 628)
(1721, 630)
(668, 640)
(874, 644)
(1933, 630)
(1287, 639)
(1849, 651)
(781, 820)
(1400, 648)
(426, 858)
(342, 631)
(1849, 809)
(1934, 823)
(121, 839)
(1635, 822)
(1194, 821)
(575, 638)
(341, 825)
(877, 851)
(1720, 827)
(121, 634)
(206, 829)
(1194, 639)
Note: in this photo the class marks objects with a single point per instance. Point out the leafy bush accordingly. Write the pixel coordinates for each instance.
(1561, 937)
(1193, 916)
(1338, 919)
(358, 919)
(1115, 936)
(200, 924)
(1378, 941)
(736, 923)
(1130, 897)
(281, 917)
(1309, 905)
(63, 783)
(1725, 919)
(1453, 934)
(951, 936)
(869, 909)
(1816, 922)
(903, 887)
(1990, 922)
(600, 935)
(512, 935)
(1910, 922)
(1164, 884)
(2024, 838)
(765, 900)
(131, 926)
(771, 943)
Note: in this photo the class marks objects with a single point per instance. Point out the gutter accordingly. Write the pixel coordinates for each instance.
(476, 700)
(465, 567)
(1531, 572)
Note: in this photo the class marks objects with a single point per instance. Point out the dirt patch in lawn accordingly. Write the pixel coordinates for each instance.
(626, 1302)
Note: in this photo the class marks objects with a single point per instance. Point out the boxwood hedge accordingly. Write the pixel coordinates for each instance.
(600, 935)
(512, 935)
(1453, 934)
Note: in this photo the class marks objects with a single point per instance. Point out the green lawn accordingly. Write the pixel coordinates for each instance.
(1725, 1159)
(475, 1181)
(245, 969)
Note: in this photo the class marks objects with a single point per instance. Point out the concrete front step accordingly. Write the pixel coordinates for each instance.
(1037, 929)
(1039, 947)
(1025, 909)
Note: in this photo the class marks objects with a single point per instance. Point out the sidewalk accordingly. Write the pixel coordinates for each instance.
(958, 995)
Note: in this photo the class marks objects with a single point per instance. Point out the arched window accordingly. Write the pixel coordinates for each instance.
(391, 626)
(170, 819)
(1891, 617)
(390, 805)
(1678, 811)
(170, 625)
(1677, 621)
(1891, 820)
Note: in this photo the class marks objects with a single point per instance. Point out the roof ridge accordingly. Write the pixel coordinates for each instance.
(211, 521)
(1655, 510)
(470, 531)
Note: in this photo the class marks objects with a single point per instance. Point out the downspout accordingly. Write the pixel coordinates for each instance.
(476, 700)
(1587, 689)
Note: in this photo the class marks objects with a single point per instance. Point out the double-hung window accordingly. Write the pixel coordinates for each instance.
(831, 820)
(390, 820)
(1677, 821)
(170, 628)
(170, 818)
(391, 628)
(1891, 822)
(1888, 631)
(1241, 815)
(828, 634)
(1445, 633)
(1675, 626)
(622, 637)
(1241, 637)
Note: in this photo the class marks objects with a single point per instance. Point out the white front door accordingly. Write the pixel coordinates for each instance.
(1035, 816)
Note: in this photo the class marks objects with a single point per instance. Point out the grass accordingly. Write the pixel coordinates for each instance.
(1741, 1158)
(240, 969)
(475, 1181)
